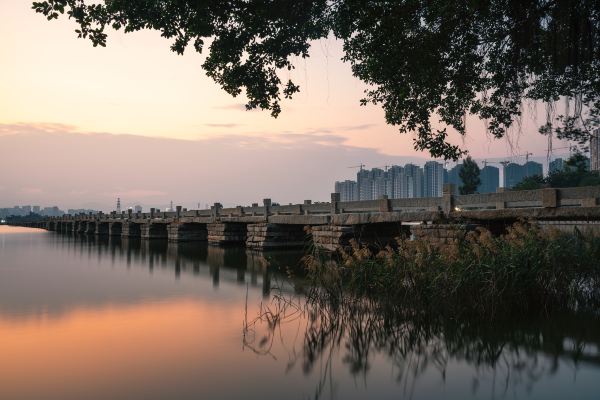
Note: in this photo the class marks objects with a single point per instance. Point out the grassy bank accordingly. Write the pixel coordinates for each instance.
(527, 271)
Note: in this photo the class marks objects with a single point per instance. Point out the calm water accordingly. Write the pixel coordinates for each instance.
(89, 318)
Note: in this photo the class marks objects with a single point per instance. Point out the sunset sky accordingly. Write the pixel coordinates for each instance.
(65, 106)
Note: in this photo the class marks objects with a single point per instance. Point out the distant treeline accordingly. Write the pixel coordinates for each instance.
(32, 217)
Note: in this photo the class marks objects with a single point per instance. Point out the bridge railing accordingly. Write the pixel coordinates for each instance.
(542, 198)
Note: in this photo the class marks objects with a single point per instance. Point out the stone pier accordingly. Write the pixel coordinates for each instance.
(115, 228)
(273, 236)
(225, 233)
(376, 235)
(90, 228)
(131, 229)
(154, 230)
(441, 234)
(187, 232)
(102, 228)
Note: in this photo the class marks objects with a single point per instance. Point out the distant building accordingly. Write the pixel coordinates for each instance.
(414, 181)
(556, 165)
(137, 208)
(595, 151)
(347, 189)
(378, 183)
(433, 179)
(453, 177)
(52, 212)
(76, 211)
(515, 173)
(36, 209)
(490, 180)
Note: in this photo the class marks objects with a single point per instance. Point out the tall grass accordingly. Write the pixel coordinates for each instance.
(527, 271)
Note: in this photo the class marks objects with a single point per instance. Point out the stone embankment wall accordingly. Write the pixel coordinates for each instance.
(272, 236)
(379, 235)
(441, 234)
(224, 233)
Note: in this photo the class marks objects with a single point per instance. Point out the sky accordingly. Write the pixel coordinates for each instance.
(80, 126)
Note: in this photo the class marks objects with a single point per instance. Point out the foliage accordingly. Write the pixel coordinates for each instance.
(527, 271)
(531, 183)
(18, 219)
(422, 60)
(469, 176)
(574, 174)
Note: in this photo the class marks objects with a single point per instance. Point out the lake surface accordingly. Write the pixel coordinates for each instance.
(83, 317)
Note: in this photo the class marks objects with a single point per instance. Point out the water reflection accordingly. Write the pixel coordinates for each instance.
(96, 317)
(506, 359)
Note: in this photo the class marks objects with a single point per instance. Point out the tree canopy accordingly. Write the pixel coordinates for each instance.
(575, 173)
(428, 63)
(469, 175)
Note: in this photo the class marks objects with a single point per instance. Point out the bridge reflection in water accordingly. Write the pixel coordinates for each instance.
(231, 264)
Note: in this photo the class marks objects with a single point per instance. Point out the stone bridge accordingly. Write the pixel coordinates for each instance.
(333, 224)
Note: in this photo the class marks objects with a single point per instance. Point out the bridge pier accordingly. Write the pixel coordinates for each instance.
(440, 235)
(130, 229)
(102, 228)
(375, 235)
(90, 228)
(69, 226)
(225, 233)
(153, 230)
(275, 236)
(187, 232)
(115, 228)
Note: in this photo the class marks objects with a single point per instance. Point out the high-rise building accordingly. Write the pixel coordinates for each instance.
(363, 183)
(433, 173)
(515, 173)
(490, 179)
(137, 208)
(397, 177)
(556, 165)
(453, 177)
(595, 150)
(378, 183)
(347, 189)
(36, 209)
(414, 181)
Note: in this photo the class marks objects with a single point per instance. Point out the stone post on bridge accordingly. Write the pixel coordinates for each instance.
(448, 198)
(384, 204)
(216, 210)
(267, 205)
(549, 198)
(335, 199)
(305, 209)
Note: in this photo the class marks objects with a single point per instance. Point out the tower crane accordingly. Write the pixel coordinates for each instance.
(361, 166)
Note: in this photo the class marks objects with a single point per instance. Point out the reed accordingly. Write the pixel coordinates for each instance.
(527, 271)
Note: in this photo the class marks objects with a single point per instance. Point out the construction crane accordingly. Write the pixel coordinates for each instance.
(384, 166)
(486, 162)
(361, 166)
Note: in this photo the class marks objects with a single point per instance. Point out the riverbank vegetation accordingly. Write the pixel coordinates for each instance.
(527, 271)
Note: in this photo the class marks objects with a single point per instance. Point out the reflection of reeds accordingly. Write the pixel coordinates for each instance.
(355, 329)
(526, 271)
